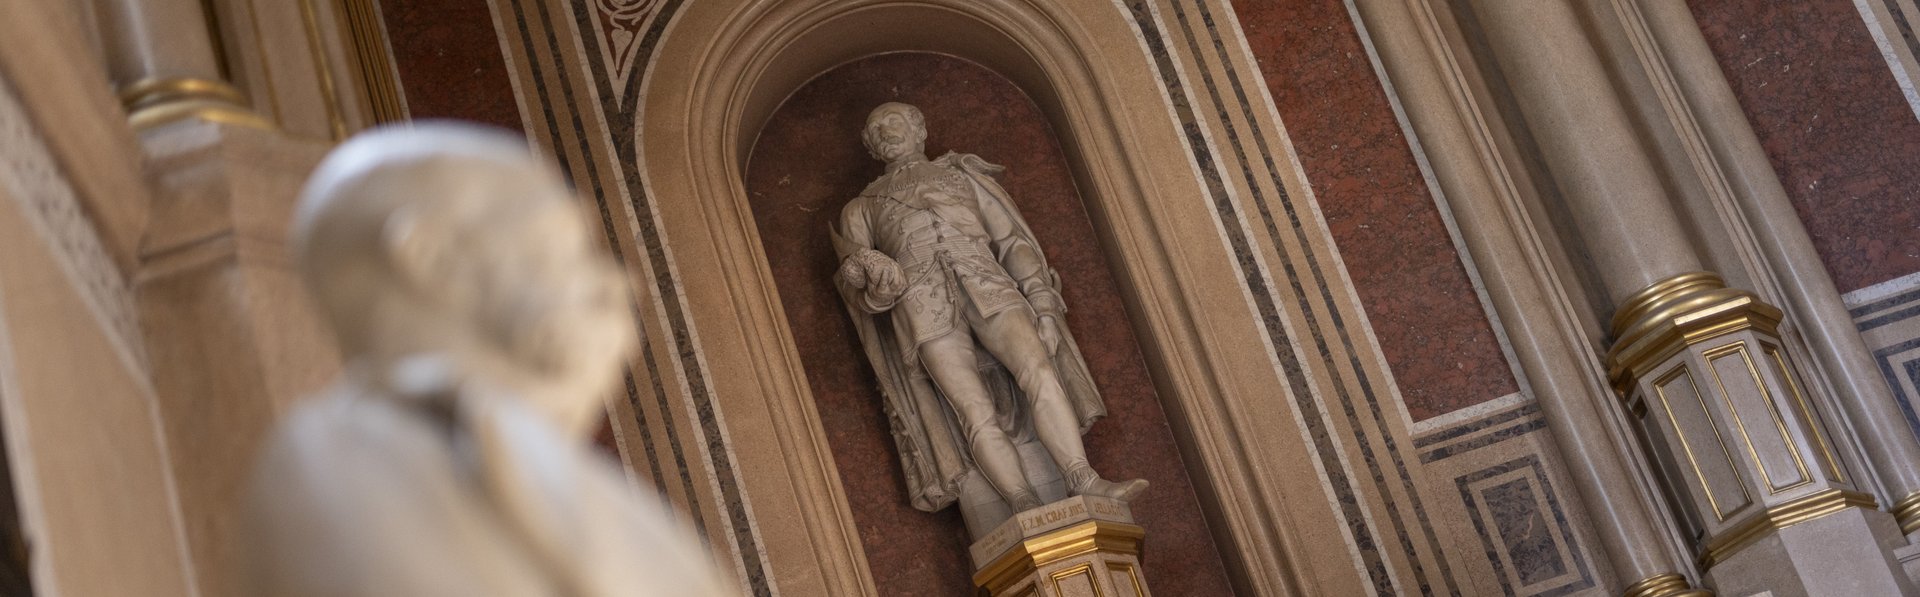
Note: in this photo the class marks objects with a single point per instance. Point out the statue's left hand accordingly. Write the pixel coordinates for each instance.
(1050, 333)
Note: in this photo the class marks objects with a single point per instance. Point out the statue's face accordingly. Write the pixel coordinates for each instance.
(893, 133)
(558, 306)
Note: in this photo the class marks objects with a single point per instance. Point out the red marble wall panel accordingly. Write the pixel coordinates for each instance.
(449, 61)
(1834, 124)
(807, 163)
(1414, 286)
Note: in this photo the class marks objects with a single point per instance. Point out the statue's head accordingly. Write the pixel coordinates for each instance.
(447, 254)
(895, 130)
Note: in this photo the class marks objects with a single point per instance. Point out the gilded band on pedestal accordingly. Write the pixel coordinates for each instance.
(1078, 540)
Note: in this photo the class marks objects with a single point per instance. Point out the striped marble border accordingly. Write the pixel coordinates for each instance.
(1892, 23)
(1888, 317)
(573, 109)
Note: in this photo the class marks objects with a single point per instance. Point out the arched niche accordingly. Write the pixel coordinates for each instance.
(721, 70)
(807, 161)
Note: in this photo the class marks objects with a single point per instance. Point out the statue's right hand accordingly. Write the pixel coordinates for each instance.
(853, 273)
(885, 281)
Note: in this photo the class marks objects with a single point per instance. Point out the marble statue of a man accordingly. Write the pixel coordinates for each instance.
(480, 328)
(961, 318)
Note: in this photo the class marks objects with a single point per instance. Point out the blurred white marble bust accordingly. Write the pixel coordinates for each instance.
(480, 329)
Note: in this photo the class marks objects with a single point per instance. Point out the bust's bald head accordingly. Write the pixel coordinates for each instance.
(895, 131)
(454, 240)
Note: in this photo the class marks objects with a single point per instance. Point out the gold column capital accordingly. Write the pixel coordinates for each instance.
(155, 101)
(1686, 309)
(1907, 512)
(1664, 585)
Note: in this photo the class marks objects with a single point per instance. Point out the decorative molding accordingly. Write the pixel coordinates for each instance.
(1888, 318)
(1774, 518)
(1525, 530)
(620, 26)
(1895, 27)
(1076, 541)
(1480, 432)
(1664, 585)
(1452, 113)
(35, 179)
(366, 32)
(155, 102)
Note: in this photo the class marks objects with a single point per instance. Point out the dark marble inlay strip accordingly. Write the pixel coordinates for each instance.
(1885, 357)
(1260, 288)
(1474, 425)
(1890, 318)
(1296, 227)
(1525, 426)
(1544, 485)
(1903, 22)
(1885, 303)
(725, 475)
(647, 356)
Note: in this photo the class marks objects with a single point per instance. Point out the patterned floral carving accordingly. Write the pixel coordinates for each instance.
(620, 24)
(31, 177)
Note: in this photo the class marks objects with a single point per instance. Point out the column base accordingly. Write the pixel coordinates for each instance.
(1821, 556)
(1664, 585)
(1077, 546)
(1909, 558)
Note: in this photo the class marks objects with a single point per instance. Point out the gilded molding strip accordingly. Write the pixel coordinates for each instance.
(1133, 575)
(157, 101)
(1800, 402)
(1659, 321)
(367, 33)
(323, 67)
(1664, 585)
(1907, 513)
(1687, 447)
(1766, 398)
(1801, 510)
(1085, 570)
(1074, 541)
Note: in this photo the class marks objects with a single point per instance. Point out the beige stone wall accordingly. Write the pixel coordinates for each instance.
(82, 426)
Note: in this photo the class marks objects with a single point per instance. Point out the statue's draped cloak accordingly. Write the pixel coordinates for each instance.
(932, 449)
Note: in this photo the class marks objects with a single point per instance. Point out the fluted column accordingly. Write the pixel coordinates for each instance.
(161, 57)
(1876, 417)
(1550, 351)
(1569, 105)
(1700, 366)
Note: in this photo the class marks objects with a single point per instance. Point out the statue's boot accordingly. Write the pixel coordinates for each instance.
(1084, 481)
(1023, 500)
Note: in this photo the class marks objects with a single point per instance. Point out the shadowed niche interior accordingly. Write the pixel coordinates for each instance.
(807, 162)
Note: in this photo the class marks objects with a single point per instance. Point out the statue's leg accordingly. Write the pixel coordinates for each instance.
(1013, 339)
(950, 363)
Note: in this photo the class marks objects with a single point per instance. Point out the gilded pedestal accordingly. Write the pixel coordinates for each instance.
(1744, 450)
(1079, 546)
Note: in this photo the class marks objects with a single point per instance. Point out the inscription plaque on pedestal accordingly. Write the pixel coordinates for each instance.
(1079, 546)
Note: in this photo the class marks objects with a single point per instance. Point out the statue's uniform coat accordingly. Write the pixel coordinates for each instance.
(961, 244)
